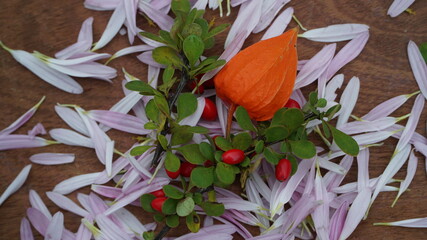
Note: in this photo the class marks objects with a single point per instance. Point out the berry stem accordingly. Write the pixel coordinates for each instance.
(231, 111)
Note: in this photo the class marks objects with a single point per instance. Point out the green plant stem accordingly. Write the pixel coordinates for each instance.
(162, 232)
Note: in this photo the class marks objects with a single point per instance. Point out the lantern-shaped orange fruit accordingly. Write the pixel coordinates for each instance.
(261, 77)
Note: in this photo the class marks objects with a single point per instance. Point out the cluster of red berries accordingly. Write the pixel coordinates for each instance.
(160, 199)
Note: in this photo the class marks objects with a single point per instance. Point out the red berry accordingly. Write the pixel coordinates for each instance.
(209, 83)
(283, 169)
(208, 163)
(158, 193)
(187, 168)
(233, 156)
(209, 112)
(157, 203)
(199, 90)
(173, 175)
(292, 104)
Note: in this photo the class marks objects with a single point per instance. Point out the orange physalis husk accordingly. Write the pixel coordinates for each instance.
(261, 77)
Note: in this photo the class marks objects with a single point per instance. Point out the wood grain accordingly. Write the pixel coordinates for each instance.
(49, 26)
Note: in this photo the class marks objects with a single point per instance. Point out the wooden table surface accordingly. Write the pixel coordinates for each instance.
(49, 26)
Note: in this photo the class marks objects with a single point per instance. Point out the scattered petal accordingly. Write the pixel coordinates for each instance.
(16, 183)
(335, 33)
(52, 158)
(418, 65)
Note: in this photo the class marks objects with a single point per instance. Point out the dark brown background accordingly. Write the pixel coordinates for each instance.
(48, 26)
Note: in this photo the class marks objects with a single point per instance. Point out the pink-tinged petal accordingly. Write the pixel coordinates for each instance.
(96, 205)
(71, 138)
(421, 147)
(349, 52)
(275, 236)
(83, 43)
(279, 25)
(55, 227)
(38, 129)
(353, 186)
(52, 158)
(222, 114)
(200, 4)
(83, 233)
(130, 50)
(399, 6)
(66, 204)
(320, 214)
(369, 126)
(335, 33)
(298, 96)
(46, 73)
(241, 230)
(333, 179)
(348, 100)
(162, 20)
(153, 75)
(333, 85)
(130, 13)
(337, 221)
(409, 223)
(356, 212)
(392, 168)
(194, 118)
(126, 104)
(254, 196)
(140, 169)
(419, 66)
(119, 121)
(102, 5)
(106, 191)
(129, 220)
(69, 185)
(109, 152)
(363, 169)
(410, 173)
(39, 221)
(247, 18)
(412, 123)
(163, 5)
(74, 61)
(260, 185)
(269, 10)
(148, 40)
(88, 223)
(25, 230)
(156, 184)
(118, 165)
(87, 70)
(15, 141)
(114, 24)
(22, 119)
(37, 203)
(110, 229)
(315, 66)
(387, 107)
(16, 183)
(72, 118)
(331, 166)
(235, 3)
(372, 137)
(147, 58)
(416, 137)
(211, 231)
(346, 197)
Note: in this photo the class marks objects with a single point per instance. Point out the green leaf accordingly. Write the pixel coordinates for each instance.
(172, 221)
(136, 151)
(218, 29)
(209, 43)
(206, 150)
(149, 235)
(218, 156)
(180, 6)
(345, 142)
(152, 37)
(162, 104)
(150, 125)
(168, 74)
(244, 120)
(163, 141)
(276, 133)
(181, 135)
(326, 129)
(204, 25)
(172, 162)
(193, 222)
(192, 153)
(270, 156)
(245, 162)
(185, 207)
(312, 98)
(223, 144)
(423, 50)
(193, 47)
(259, 146)
(294, 163)
(165, 35)
(242, 141)
(285, 147)
(212, 209)
(198, 129)
(202, 177)
(146, 200)
(212, 66)
(172, 192)
(142, 87)
(291, 118)
(303, 149)
(197, 197)
(225, 173)
(332, 110)
(186, 105)
(192, 29)
(169, 206)
(152, 111)
(167, 56)
(158, 217)
(321, 103)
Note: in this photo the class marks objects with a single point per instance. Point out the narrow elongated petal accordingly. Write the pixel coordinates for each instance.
(15, 141)
(418, 65)
(87, 70)
(69, 137)
(106, 191)
(162, 20)
(335, 33)
(114, 24)
(372, 137)
(247, 19)
(37, 203)
(279, 25)
(130, 221)
(110, 229)
(16, 183)
(72, 118)
(320, 214)
(363, 169)
(333, 85)
(39, 221)
(109, 152)
(101, 5)
(66, 204)
(130, 50)
(337, 221)
(409, 223)
(410, 173)
(269, 10)
(52, 158)
(412, 123)
(126, 104)
(130, 14)
(83, 44)
(315, 66)
(331, 166)
(46, 73)
(368, 126)
(74, 61)
(399, 6)
(83, 233)
(387, 107)
(147, 58)
(349, 52)
(55, 228)
(348, 100)
(25, 230)
(22, 119)
(201, 4)
(69, 185)
(119, 121)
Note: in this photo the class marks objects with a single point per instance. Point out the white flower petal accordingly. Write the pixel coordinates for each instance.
(335, 33)
(399, 6)
(412, 168)
(25, 230)
(119, 121)
(348, 100)
(269, 10)
(37, 203)
(55, 228)
(410, 223)
(419, 67)
(71, 138)
(16, 183)
(162, 20)
(66, 204)
(52, 158)
(69, 185)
